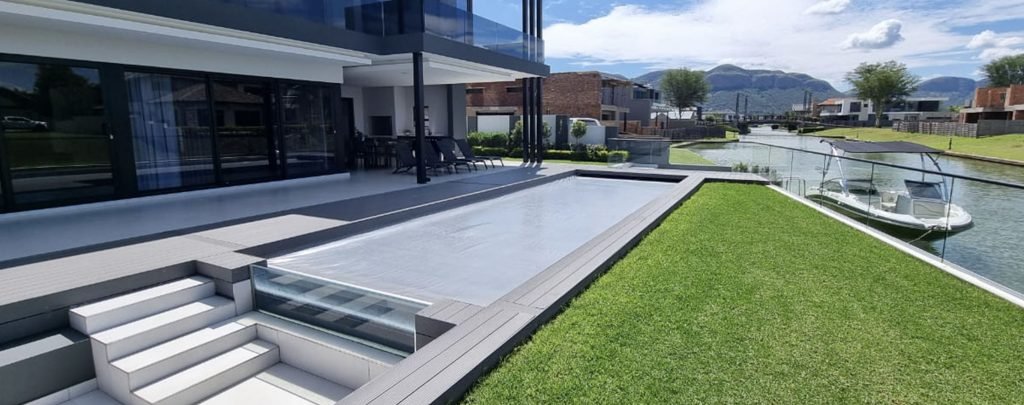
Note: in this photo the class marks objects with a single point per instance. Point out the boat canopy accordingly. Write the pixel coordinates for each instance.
(881, 147)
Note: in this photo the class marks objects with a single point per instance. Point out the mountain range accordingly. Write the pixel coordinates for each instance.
(775, 91)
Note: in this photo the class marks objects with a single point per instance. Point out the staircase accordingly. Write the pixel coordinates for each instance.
(181, 343)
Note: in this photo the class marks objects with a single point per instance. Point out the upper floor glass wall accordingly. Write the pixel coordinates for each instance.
(451, 19)
(448, 19)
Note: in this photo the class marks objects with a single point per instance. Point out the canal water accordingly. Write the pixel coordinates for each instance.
(994, 248)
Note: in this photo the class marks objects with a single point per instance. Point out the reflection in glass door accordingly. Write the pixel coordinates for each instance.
(56, 144)
(308, 127)
(243, 132)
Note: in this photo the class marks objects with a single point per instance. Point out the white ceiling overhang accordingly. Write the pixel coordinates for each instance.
(396, 71)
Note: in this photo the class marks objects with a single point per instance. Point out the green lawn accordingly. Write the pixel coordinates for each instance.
(680, 156)
(1003, 146)
(744, 296)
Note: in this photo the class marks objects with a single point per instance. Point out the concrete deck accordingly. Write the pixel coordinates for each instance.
(42, 233)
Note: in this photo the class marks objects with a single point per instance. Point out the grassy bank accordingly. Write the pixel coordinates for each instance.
(680, 156)
(1002, 147)
(744, 296)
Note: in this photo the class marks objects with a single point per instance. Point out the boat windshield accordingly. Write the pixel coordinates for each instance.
(926, 190)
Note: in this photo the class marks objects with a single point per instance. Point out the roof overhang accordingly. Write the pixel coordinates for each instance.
(397, 71)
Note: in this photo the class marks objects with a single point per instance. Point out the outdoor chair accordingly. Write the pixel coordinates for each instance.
(404, 159)
(467, 152)
(447, 147)
(432, 158)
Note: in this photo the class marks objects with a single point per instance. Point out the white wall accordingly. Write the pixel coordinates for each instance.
(397, 102)
(105, 46)
(493, 123)
(378, 101)
(595, 136)
(435, 98)
(358, 106)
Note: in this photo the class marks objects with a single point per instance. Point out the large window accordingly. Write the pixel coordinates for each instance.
(244, 136)
(309, 134)
(55, 140)
(171, 132)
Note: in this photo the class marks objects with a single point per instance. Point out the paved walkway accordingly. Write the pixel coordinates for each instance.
(69, 229)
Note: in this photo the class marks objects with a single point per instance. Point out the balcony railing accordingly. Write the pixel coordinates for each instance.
(395, 17)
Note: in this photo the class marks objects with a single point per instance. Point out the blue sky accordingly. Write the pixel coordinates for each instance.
(823, 38)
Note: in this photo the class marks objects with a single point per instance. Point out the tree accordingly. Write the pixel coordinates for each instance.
(883, 84)
(685, 88)
(1005, 71)
(579, 130)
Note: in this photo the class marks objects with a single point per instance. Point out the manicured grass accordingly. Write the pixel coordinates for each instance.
(680, 156)
(744, 296)
(1002, 146)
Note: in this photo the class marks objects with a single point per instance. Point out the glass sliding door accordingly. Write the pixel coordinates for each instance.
(308, 128)
(171, 131)
(56, 144)
(244, 136)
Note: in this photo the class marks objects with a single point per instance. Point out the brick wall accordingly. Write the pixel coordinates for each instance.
(493, 95)
(989, 97)
(576, 95)
(1016, 95)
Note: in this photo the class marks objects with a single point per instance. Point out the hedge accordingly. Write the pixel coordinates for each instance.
(591, 155)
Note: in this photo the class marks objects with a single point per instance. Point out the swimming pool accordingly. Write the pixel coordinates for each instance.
(478, 253)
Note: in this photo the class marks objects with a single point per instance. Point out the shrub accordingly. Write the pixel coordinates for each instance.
(489, 139)
(555, 154)
(489, 151)
(743, 128)
(579, 130)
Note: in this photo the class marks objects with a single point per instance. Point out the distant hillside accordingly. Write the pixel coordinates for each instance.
(959, 90)
(770, 91)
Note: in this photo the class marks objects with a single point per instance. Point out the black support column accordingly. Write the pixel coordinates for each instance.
(421, 141)
(540, 118)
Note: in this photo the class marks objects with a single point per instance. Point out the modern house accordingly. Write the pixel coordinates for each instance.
(113, 99)
(911, 109)
(597, 95)
(995, 103)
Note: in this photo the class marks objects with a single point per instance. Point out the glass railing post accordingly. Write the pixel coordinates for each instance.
(871, 188)
(821, 186)
(949, 209)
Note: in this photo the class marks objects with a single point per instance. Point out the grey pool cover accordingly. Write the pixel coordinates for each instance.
(480, 252)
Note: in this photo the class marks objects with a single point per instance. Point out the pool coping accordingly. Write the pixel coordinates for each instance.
(446, 368)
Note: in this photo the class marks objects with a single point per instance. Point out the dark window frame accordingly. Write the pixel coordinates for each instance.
(122, 157)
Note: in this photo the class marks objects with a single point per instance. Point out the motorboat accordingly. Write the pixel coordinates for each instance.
(921, 211)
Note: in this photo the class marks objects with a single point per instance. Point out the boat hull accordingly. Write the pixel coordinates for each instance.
(902, 230)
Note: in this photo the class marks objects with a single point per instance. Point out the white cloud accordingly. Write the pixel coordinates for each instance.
(989, 39)
(996, 53)
(828, 7)
(883, 35)
(751, 34)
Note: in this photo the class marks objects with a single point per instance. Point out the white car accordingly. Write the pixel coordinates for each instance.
(589, 121)
(13, 122)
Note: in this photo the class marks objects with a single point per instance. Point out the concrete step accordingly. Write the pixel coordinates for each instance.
(155, 363)
(212, 376)
(120, 341)
(281, 384)
(103, 315)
